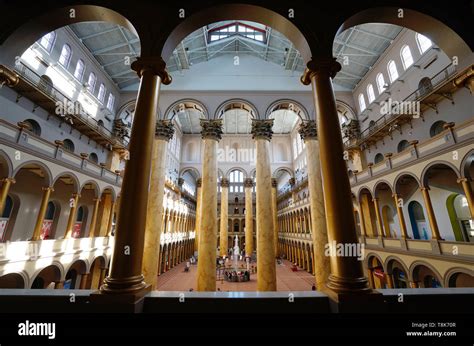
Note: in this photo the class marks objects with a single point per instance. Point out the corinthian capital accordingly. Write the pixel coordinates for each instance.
(308, 130)
(164, 129)
(211, 129)
(262, 129)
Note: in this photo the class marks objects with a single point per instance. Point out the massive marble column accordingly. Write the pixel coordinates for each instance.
(41, 213)
(224, 216)
(274, 214)
(206, 273)
(6, 184)
(309, 135)
(164, 131)
(347, 275)
(125, 275)
(266, 267)
(198, 214)
(72, 214)
(431, 214)
(248, 185)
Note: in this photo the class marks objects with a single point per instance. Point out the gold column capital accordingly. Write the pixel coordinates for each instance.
(328, 65)
(156, 64)
(47, 188)
(211, 128)
(164, 129)
(424, 188)
(9, 180)
(8, 77)
(262, 129)
(224, 182)
(248, 182)
(308, 130)
(461, 180)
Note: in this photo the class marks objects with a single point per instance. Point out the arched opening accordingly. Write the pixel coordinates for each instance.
(461, 279)
(437, 128)
(402, 145)
(368, 209)
(34, 126)
(418, 221)
(69, 145)
(425, 277)
(399, 274)
(460, 217)
(94, 158)
(377, 273)
(378, 158)
(442, 180)
(47, 277)
(12, 280)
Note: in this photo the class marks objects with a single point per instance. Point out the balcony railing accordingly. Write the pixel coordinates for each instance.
(49, 96)
(423, 95)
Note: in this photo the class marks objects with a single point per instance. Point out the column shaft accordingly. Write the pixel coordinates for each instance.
(266, 270)
(198, 214)
(7, 182)
(401, 217)
(72, 215)
(431, 214)
(248, 218)
(41, 213)
(224, 217)
(274, 215)
(125, 274)
(318, 215)
(155, 208)
(379, 218)
(347, 274)
(93, 223)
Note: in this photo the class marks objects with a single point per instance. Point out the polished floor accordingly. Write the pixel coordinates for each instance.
(177, 279)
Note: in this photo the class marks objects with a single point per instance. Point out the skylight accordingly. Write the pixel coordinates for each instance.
(237, 29)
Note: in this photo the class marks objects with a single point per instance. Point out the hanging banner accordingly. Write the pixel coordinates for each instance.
(46, 229)
(76, 230)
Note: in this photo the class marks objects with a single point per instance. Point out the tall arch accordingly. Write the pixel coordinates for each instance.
(288, 104)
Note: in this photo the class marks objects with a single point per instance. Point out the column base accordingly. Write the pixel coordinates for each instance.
(355, 286)
(120, 302)
(131, 285)
(370, 302)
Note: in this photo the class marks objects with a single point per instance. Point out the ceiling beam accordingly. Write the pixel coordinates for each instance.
(382, 37)
(99, 33)
(115, 46)
(357, 47)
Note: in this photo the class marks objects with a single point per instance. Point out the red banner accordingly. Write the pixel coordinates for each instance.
(46, 229)
(76, 230)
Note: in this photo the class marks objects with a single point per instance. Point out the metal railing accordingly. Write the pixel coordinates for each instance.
(54, 93)
(415, 96)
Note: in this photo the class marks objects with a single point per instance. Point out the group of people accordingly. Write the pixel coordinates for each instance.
(237, 276)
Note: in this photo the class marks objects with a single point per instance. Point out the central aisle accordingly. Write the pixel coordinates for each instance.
(178, 280)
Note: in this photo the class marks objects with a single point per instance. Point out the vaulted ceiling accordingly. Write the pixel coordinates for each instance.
(357, 49)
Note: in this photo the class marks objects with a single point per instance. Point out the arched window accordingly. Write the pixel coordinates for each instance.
(101, 93)
(392, 71)
(380, 83)
(47, 41)
(79, 71)
(407, 58)
(361, 102)
(425, 86)
(69, 145)
(94, 158)
(378, 158)
(236, 179)
(65, 56)
(424, 43)
(91, 82)
(110, 102)
(80, 214)
(402, 145)
(34, 126)
(370, 93)
(437, 128)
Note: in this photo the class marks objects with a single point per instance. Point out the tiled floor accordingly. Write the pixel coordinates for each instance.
(287, 280)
